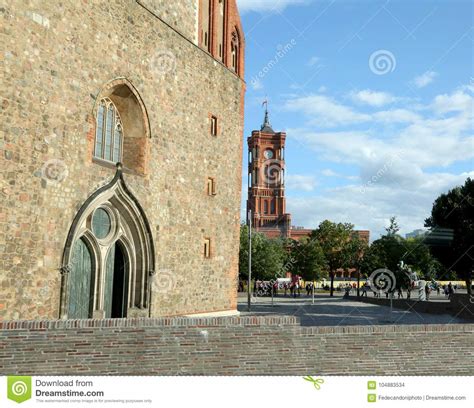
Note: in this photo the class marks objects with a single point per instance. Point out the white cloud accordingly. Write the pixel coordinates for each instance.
(371, 208)
(256, 84)
(267, 5)
(457, 101)
(329, 173)
(395, 152)
(425, 79)
(372, 98)
(332, 173)
(396, 116)
(300, 182)
(427, 142)
(325, 111)
(313, 61)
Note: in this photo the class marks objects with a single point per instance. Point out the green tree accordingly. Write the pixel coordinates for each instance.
(354, 255)
(268, 255)
(334, 240)
(371, 260)
(393, 228)
(391, 248)
(454, 210)
(419, 257)
(309, 260)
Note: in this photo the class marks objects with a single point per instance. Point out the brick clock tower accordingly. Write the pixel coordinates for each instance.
(266, 181)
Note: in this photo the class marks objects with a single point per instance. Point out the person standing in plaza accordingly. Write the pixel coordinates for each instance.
(400, 293)
(427, 292)
(450, 290)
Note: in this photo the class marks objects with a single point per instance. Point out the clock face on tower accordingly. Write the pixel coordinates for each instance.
(268, 154)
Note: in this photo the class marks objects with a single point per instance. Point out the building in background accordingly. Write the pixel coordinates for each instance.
(120, 164)
(266, 187)
(416, 233)
(266, 181)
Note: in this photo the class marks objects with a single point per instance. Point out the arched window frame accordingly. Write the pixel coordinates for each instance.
(207, 24)
(108, 146)
(221, 8)
(235, 51)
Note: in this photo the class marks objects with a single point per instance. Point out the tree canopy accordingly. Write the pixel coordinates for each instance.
(268, 256)
(455, 210)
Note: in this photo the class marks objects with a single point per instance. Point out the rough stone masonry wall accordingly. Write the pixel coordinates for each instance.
(55, 58)
(231, 346)
(182, 15)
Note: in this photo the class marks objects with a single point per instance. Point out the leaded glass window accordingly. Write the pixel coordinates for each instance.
(109, 132)
(101, 223)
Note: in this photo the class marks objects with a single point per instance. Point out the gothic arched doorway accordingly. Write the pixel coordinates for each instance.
(116, 282)
(108, 258)
(79, 285)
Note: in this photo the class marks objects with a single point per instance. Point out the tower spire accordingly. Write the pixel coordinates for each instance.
(266, 127)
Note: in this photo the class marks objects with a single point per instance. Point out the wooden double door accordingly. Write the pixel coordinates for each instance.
(85, 287)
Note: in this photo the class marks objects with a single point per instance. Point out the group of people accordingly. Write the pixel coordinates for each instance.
(269, 288)
(293, 288)
(449, 290)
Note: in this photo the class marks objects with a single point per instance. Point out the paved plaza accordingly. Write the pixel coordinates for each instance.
(337, 311)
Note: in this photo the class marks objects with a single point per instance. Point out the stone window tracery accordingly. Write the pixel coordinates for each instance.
(109, 132)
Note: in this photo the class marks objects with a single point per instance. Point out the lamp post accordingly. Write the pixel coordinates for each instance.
(250, 260)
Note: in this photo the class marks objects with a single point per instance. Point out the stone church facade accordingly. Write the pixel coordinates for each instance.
(120, 167)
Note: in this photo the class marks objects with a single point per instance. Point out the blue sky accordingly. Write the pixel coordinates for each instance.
(376, 98)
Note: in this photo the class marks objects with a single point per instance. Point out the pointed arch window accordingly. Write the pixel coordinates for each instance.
(235, 52)
(206, 24)
(221, 23)
(109, 132)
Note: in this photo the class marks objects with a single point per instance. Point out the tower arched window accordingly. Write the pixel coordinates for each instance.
(109, 132)
(206, 24)
(235, 51)
(221, 28)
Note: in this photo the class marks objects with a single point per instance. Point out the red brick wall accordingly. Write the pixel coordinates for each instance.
(231, 346)
(232, 23)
